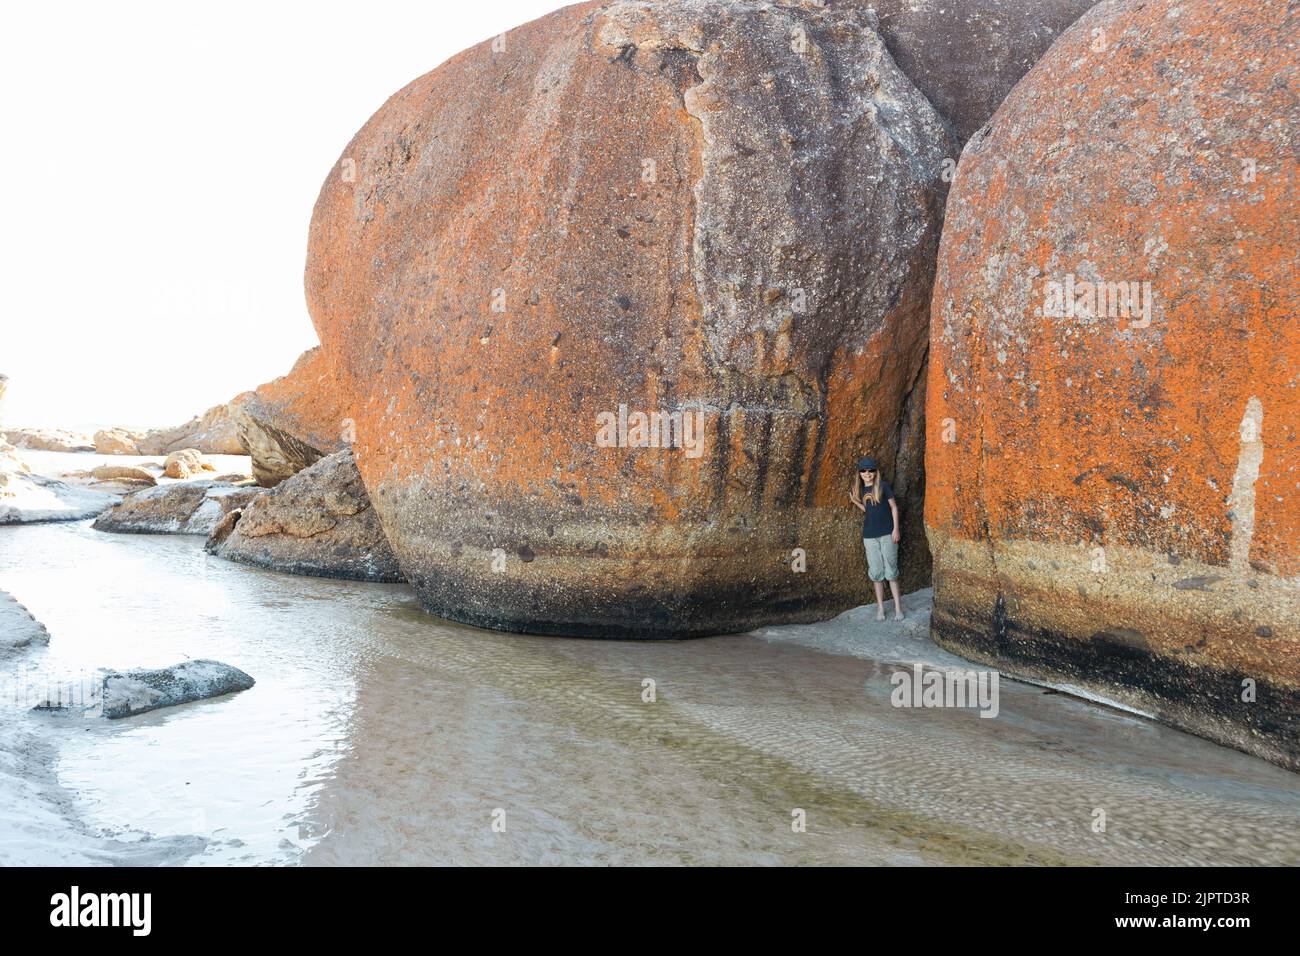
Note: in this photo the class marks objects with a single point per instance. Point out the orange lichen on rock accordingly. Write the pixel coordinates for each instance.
(1113, 402)
(713, 211)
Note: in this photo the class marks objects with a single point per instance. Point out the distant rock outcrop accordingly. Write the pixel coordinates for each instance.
(317, 522)
(188, 507)
(293, 421)
(48, 439)
(118, 441)
(721, 214)
(212, 433)
(1113, 407)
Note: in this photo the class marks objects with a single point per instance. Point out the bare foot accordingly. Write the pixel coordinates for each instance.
(880, 614)
(898, 615)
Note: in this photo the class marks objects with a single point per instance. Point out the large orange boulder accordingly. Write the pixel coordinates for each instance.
(1113, 402)
(706, 226)
(293, 421)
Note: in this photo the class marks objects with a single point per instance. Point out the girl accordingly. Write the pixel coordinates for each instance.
(872, 496)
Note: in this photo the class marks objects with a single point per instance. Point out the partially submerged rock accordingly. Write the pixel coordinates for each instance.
(318, 522)
(127, 693)
(191, 507)
(18, 628)
(186, 463)
(292, 422)
(719, 211)
(1113, 402)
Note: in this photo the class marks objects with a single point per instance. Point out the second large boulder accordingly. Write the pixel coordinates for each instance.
(1113, 406)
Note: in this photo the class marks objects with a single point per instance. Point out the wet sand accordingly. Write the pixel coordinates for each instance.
(378, 734)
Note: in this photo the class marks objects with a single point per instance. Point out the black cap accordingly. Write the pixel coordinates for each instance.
(867, 464)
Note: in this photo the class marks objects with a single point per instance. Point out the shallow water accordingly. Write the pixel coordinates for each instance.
(378, 734)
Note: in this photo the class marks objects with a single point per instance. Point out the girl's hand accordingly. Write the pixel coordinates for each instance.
(897, 537)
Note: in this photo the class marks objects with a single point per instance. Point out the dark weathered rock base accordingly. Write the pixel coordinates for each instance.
(1203, 700)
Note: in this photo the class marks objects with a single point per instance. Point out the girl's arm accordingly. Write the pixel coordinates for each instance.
(893, 509)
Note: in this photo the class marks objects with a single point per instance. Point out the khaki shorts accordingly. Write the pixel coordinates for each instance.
(882, 557)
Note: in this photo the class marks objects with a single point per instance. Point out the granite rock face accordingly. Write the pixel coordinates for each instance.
(318, 522)
(189, 507)
(293, 421)
(724, 212)
(1113, 408)
(966, 55)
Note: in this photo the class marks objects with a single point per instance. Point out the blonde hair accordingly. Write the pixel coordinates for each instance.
(875, 488)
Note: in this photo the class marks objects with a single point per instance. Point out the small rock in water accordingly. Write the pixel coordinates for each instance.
(127, 693)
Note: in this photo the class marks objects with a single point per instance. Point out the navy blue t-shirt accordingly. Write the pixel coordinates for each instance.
(879, 520)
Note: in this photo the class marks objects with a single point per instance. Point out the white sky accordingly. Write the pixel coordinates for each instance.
(161, 162)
